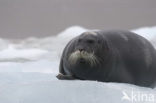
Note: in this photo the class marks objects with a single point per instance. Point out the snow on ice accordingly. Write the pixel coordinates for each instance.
(28, 68)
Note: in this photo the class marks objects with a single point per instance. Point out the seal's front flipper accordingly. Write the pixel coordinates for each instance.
(65, 77)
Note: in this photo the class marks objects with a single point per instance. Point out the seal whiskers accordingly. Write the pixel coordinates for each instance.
(88, 57)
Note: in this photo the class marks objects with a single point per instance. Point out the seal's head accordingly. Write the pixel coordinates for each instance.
(86, 51)
(87, 55)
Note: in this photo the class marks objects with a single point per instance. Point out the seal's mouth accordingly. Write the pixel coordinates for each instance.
(82, 57)
(82, 60)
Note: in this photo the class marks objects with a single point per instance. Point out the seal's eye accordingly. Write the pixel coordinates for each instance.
(90, 41)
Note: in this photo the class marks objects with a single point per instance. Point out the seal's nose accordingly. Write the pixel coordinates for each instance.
(81, 50)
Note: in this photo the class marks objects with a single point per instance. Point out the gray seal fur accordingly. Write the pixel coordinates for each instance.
(109, 56)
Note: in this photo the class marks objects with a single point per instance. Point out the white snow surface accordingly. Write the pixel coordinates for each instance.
(28, 70)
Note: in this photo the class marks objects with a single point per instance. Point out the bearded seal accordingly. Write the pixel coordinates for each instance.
(109, 56)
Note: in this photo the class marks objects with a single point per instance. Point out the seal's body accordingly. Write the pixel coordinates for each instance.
(109, 56)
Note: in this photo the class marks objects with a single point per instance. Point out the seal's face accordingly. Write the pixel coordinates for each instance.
(84, 51)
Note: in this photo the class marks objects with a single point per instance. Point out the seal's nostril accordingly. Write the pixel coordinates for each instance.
(81, 50)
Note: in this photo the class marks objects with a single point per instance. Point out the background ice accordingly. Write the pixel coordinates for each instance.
(147, 32)
(28, 68)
